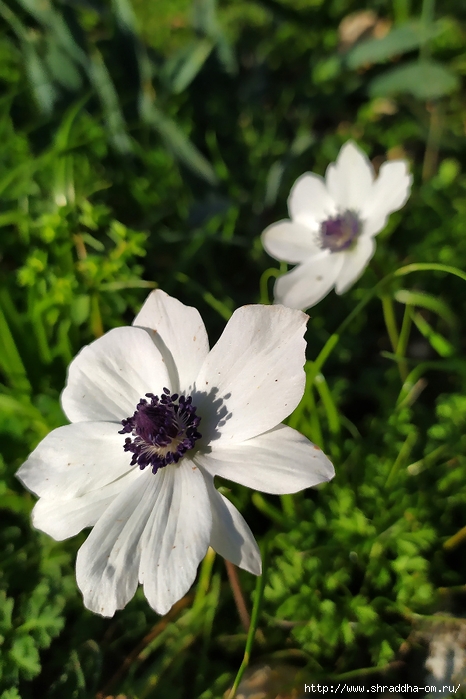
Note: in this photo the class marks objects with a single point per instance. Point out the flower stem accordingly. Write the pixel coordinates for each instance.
(455, 540)
(404, 332)
(153, 633)
(392, 329)
(403, 455)
(264, 282)
(390, 322)
(259, 592)
(204, 577)
(238, 595)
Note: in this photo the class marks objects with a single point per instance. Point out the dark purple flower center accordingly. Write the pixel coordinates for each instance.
(162, 430)
(340, 232)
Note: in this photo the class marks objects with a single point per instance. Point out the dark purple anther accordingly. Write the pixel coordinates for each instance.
(162, 430)
(340, 232)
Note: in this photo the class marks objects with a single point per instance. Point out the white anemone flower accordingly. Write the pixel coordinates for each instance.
(154, 417)
(333, 224)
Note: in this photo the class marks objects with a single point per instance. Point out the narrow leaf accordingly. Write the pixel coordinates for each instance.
(423, 79)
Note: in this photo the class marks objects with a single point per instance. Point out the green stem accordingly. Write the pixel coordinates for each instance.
(269, 510)
(204, 577)
(427, 18)
(404, 453)
(392, 329)
(404, 332)
(264, 282)
(314, 427)
(390, 321)
(455, 540)
(259, 592)
(288, 506)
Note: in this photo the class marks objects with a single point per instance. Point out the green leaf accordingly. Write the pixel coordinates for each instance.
(62, 68)
(26, 656)
(108, 96)
(328, 403)
(404, 38)
(10, 358)
(41, 83)
(6, 610)
(422, 79)
(10, 694)
(125, 16)
(176, 141)
(432, 303)
(437, 341)
(183, 67)
(80, 309)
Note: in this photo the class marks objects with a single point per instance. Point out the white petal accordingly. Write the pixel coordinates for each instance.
(354, 264)
(389, 193)
(231, 536)
(177, 536)
(108, 561)
(108, 377)
(75, 459)
(279, 461)
(61, 519)
(349, 180)
(253, 377)
(309, 202)
(179, 333)
(290, 241)
(308, 283)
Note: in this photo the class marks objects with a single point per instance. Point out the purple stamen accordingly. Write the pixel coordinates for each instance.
(163, 430)
(340, 232)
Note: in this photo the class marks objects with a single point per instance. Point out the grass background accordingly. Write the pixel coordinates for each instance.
(149, 145)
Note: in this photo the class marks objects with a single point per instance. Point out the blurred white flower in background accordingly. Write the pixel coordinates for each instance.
(333, 224)
(155, 416)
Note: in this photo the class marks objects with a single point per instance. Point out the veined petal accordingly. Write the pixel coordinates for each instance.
(61, 519)
(389, 193)
(179, 333)
(75, 459)
(176, 537)
(309, 202)
(107, 563)
(291, 242)
(253, 377)
(354, 263)
(231, 536)
(278, 462)
(308, 283)
(107, 378)
(349, 179)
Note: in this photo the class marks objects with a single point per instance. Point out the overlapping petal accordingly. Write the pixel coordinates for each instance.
(156, 532)
(177, 535)
(75, 459)
(179, 333)
(279, 461)
(107, 378)
(291, 242)
(310, 202)
(60, 518)
(253, 377)
(107, 564)
(308, 283)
